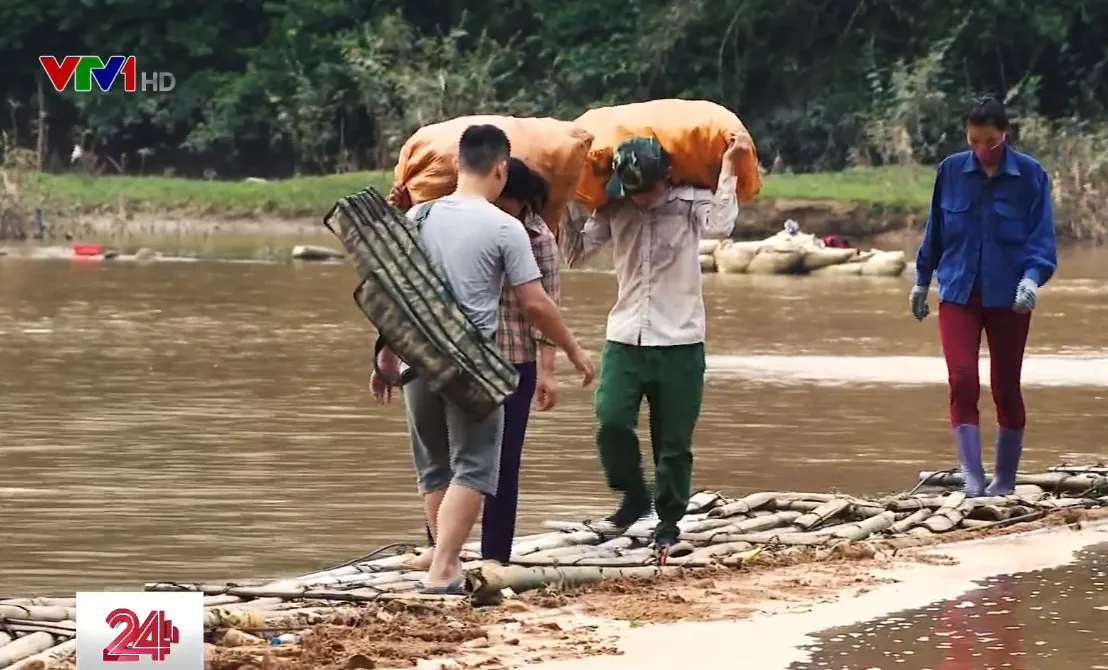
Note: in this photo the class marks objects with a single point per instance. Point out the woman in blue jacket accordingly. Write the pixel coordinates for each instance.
(990, 242)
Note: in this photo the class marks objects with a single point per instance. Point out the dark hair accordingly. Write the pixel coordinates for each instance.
(986, 112)
(525, 185)
(482, 147)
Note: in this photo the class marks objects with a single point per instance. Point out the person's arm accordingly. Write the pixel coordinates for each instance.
(580, 243)
(931, 247)
(546, 254)
(1042, 253)
(715, 215)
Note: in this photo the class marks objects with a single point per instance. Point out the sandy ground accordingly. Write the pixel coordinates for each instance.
(762, 614)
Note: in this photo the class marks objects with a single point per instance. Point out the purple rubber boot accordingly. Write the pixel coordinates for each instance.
(1009, 447)
(967, 437)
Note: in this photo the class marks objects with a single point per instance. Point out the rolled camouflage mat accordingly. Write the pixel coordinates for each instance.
(405, 296)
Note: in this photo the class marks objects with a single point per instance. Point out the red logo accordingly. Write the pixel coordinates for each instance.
(153, 637)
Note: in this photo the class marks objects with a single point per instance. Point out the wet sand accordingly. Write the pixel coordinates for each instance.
(777, 631)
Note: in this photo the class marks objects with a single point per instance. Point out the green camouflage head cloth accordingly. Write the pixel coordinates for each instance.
(637, 165)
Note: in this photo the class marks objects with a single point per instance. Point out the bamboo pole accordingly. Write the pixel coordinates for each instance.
(25, 647)
(1073, 469)
(821, 514)
(906, 524)
(710, 555)
(1051, 481)
(64, 629)
(802, 506)
(616, 544)
(41, 602)
(489, 580)
(48, 657)
(38, 612)
(748, 504)
(948, 517)
(863, 529)
(703, 501)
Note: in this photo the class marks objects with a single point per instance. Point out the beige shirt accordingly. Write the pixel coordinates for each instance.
(657, 260)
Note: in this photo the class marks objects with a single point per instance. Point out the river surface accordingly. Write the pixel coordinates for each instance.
(1054, 619)
(211, 421)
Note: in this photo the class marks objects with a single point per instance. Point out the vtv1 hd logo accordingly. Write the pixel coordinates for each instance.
(84, 71)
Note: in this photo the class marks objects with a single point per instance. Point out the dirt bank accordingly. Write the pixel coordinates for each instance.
(858, 221)
(762, 217)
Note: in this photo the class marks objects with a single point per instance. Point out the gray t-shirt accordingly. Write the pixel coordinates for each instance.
(478, 247)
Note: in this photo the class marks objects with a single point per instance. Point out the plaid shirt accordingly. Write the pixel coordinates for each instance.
(517, 337)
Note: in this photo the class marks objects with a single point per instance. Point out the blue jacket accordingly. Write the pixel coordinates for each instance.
(988, 233)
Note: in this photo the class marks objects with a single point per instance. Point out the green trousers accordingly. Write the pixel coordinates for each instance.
(672, 379)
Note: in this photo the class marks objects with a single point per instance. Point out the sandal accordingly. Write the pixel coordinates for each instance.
(454, 588)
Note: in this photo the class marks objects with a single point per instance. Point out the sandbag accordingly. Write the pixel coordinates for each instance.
(404, 295)
(734, 257)
(693, 132)
(553, 148)
(775, 261)
(708, 246)
(852, 269)
(820, 257)
(707, 263)
(885, 264)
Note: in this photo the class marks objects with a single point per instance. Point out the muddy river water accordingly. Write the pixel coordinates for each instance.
(211, 421)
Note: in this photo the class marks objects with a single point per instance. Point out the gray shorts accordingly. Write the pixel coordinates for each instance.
(449, 446)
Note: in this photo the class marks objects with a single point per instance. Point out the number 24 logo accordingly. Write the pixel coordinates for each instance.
(153, 637)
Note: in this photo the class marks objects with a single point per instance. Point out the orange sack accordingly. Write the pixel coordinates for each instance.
(693, 132)
(555, 149)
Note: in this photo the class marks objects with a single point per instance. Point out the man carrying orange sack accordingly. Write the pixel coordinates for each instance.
(655, 336)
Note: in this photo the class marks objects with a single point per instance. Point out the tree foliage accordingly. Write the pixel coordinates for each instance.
(276, 87)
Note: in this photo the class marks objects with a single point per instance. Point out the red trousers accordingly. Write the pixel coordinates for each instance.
(960, 329)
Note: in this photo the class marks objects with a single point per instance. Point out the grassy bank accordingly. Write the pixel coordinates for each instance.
(311, 196)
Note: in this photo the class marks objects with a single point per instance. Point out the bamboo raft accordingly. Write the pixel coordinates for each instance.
(716, 531)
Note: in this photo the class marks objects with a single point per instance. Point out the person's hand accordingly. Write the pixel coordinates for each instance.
(917, 301)
(1027, 296)
(386, 371)
(739, 143)
(546, 395)
(582, 363)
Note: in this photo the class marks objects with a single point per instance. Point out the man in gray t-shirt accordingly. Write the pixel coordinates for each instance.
(477, 247)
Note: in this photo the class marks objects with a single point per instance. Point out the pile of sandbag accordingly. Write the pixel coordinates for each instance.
(694, 133)
(427, 168)
(793, 252)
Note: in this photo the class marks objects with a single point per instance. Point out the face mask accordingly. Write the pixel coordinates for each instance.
(990, 155)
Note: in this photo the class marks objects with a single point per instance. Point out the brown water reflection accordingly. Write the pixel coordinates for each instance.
(210, 421)
(1054, 619)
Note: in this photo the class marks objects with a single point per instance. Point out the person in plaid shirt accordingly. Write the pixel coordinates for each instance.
(524, 194)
